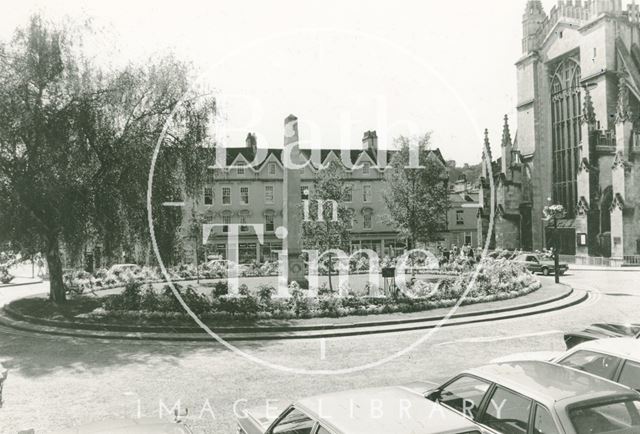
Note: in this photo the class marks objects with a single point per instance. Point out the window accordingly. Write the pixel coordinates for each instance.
(594, 363)
(304, 192)
(365, 168)
(208, 196)
(366, 193)
(348, 193)
(508, 412)
(243, 221)
(211, 176)
(464, 395)
(618, 417)
(544, 423)
(240, 167)
(271, 168)
(467, 240)
(268, 194)
(350, 219)
(226, 195)
(566, 112)
(630, 375)
(244, 195)
(294, 422)
(367, 221)
(460, 217)
(268, 223)
(322, 430)
(226, 220)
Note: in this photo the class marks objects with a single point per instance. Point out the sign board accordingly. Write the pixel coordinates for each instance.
(582, 239)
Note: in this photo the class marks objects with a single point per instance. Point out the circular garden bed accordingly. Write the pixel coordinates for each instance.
(155, 305)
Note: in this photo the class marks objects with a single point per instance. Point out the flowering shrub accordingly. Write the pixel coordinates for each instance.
(7, 260)
(496, 279)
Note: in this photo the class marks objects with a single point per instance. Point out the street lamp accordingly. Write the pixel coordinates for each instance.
(554, 212)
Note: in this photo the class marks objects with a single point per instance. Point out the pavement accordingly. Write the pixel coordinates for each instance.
(602, 268)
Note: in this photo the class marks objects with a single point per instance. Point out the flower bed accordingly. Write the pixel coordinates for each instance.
(142, 304)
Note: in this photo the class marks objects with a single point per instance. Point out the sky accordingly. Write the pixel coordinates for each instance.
(342, 67)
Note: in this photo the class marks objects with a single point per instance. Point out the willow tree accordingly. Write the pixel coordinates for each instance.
(76, 143)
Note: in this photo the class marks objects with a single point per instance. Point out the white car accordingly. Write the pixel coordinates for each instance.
(389, 410)
(119, 268)
(616, 359)
(130, 426)
(533, 397)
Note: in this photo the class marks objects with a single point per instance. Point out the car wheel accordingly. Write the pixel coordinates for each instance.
(545, 271)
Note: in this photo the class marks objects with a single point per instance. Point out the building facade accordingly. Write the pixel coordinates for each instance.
(245, 192)
(578, 139)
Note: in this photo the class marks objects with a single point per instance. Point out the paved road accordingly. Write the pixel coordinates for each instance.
(56, 382)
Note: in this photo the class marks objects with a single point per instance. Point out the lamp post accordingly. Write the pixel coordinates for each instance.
(554, 212)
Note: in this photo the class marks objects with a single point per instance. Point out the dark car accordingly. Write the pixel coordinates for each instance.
(601, 331)
(540, 264)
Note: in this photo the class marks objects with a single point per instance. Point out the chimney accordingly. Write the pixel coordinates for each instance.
(251, 142)
(291, 130)
(370, 141)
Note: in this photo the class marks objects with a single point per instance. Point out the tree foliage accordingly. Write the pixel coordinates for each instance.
(76, 142)
(417, 198)
(333, 230)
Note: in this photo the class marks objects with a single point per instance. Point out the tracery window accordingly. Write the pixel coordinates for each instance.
(566, 110)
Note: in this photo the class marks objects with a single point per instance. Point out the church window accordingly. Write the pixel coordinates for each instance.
(566, 133)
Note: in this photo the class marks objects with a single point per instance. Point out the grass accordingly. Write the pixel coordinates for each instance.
(46, 309)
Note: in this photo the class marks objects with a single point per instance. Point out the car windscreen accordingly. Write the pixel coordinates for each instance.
(619, 417)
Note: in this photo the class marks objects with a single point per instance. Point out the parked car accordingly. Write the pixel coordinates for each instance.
(540, 264)
(223, 264)
(120, 268)
(616, 359)
(540, 397)
(391, 410)
(130, 426)
(601, 331)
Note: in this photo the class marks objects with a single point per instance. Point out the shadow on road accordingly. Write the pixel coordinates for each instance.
(40, 355)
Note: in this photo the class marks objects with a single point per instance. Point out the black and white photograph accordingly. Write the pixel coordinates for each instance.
(320, 217)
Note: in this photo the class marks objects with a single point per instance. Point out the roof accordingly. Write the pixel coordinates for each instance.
(249, 154)
(627, 348)
(546, 382)
(405, 412)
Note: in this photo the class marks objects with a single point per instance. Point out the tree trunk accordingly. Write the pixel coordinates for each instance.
(56, 283)
(329, 268)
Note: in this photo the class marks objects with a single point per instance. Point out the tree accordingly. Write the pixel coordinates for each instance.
(417, 198)
(76, 143)
(332, 231)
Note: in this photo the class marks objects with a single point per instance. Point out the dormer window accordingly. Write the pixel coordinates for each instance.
(271, 168)
(365, 168)
(240, 169)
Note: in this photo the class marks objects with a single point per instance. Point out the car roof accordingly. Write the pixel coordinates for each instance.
(548, 383)
(627, 348)
(403, 411)
(128, 426)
